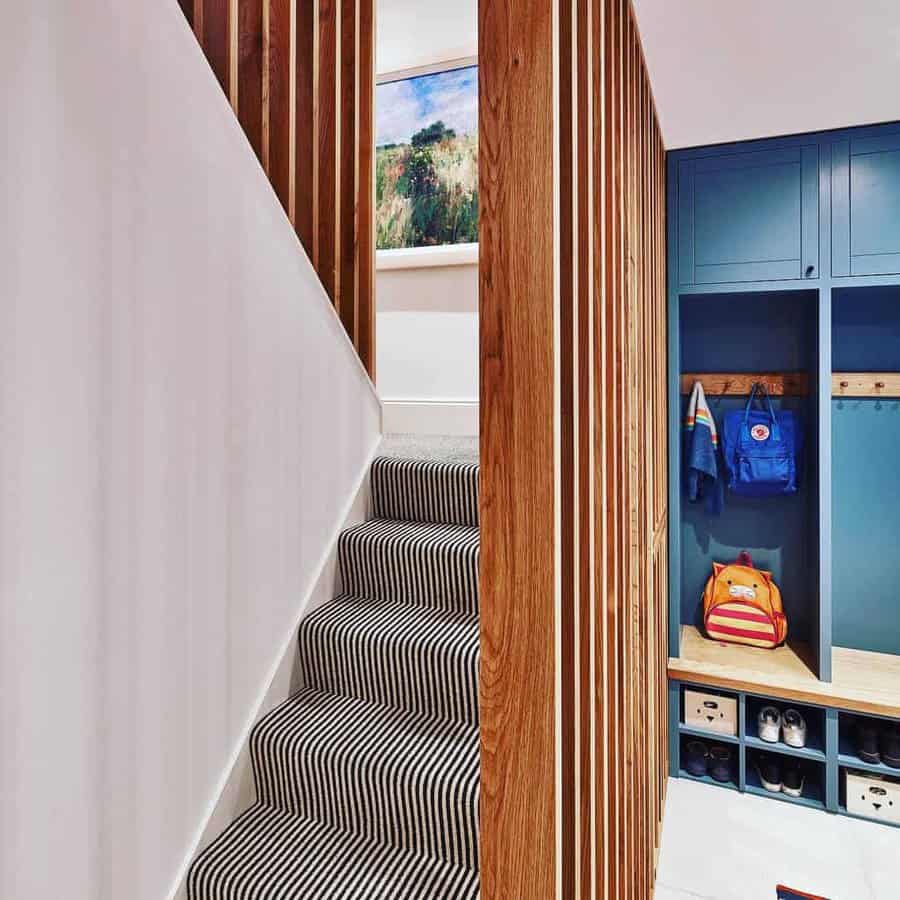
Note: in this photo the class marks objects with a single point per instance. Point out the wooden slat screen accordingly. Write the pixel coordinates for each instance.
(573, 447)
(300, 75)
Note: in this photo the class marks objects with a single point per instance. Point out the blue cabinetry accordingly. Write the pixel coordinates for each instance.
(749, 216)
(865, 187)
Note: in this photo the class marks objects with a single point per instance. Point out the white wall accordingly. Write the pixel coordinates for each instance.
(182, 423)
(427, 318)
(733, 71)
(418, 32)
(427, 349)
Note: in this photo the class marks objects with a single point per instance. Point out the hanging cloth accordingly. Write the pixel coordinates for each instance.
(701, 446)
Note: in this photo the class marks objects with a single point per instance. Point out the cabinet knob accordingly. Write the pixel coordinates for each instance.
(810, 270)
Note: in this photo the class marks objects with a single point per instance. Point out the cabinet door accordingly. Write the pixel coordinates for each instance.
(750, 216)
(865, 189)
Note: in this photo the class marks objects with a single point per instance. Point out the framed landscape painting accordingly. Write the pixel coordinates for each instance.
(426, 160)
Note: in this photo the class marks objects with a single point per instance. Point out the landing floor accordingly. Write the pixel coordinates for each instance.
(722, 845)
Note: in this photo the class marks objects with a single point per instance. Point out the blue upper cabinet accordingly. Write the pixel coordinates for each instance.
(865, 190)
(749, 216)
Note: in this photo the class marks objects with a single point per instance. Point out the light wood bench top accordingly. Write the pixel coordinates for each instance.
(862, 681)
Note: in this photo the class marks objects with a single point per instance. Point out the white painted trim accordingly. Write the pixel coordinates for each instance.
(234, 789)
(427, 257)
(458, 418)
(459, 60)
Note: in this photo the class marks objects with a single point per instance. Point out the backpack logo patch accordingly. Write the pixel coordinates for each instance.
(760, 432)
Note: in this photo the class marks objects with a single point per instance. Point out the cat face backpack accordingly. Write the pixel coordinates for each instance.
(742, 605)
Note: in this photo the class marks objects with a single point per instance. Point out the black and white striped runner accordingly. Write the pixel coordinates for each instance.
(367, 780)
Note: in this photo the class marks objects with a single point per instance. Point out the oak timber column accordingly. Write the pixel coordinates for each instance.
(573, 429)
(519, 459)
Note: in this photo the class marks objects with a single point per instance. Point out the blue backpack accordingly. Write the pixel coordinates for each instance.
(761, 449)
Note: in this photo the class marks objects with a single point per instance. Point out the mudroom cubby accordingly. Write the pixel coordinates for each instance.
(784, 270)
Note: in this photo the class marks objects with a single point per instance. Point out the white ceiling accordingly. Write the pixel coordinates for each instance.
(726, 70)
(415, 33)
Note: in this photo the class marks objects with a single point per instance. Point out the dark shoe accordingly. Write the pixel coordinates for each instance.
(792, 780)
(769, 770)
(696, 758)
(720, 763)
(890, 745)
(867, 741)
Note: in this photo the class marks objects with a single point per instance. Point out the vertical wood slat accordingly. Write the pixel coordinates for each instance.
(250, 71)
(327, 87)
(277, 100)
(348, 150)
(306, 130)
(606, 248)
(300, 75)
(518, 486)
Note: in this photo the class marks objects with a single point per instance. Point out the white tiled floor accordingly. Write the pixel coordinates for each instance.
(721, 845)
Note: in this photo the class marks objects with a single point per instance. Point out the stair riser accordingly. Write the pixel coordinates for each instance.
(430, 573)
(417, 491)
(428, 804)
(426, 672)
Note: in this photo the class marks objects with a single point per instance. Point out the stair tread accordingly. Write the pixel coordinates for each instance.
(268, 854)
(417, 658)
(428, 563)
(425, 490)
(394, 776)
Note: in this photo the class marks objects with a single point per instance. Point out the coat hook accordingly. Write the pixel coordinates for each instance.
(879, 385)
(845, 384)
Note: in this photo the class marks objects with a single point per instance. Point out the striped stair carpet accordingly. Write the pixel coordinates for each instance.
(367, 780)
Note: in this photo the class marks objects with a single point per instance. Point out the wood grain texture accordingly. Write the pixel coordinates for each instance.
(519, 593)
(862, 681)
(606, 247)
(365, 192)
(301, 76)
(865, 384)
(738, 384)
(216, 38)
(306, 128)
(327, 161)
(250, 71)
(279, 112)
(348, 156)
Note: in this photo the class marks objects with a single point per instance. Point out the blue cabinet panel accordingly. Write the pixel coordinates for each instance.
(749, 216)
(866, 210)
(865, 525)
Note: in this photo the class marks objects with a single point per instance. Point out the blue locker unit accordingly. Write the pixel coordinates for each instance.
(751, 216)
(784, 260)
(865, 179)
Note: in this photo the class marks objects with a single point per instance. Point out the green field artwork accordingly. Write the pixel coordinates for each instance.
(426, 163)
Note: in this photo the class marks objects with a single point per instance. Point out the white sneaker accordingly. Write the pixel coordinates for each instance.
(794, 728)
(769, 721)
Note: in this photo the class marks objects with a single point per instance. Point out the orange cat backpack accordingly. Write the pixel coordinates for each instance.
(742, 605)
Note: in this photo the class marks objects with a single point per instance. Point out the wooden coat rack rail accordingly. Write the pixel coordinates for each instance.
(780, 384)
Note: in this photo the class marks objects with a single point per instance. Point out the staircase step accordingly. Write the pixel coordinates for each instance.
(409, 657)
(423, 491)
(269, 854)
(404, 780)
(412, 562)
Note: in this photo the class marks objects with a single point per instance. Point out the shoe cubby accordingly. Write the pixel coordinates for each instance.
(813, 717)
(760, 764)
(830, 751)
(721, 765)
(869, 743)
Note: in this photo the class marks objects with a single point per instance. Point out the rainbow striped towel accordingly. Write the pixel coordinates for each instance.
(702, 441)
